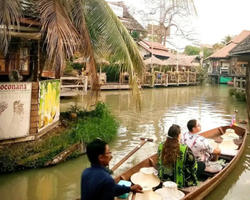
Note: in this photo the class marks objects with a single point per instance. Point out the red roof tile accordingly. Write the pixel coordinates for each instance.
(224, 52)
(158, 49)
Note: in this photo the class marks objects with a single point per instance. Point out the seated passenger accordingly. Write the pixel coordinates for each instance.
(176, 161)
(199, 145)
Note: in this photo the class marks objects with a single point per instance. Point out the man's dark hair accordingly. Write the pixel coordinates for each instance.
(94, 149)
(191, 124)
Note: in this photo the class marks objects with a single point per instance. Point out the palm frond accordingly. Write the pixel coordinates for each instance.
(104, 26)
(86, 48)
(60, 34)
(10, 14)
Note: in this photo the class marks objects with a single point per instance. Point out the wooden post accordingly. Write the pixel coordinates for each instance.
(248, 90)
(38, 60)
(34, 117)
(178, 77)
(166, 80)
(241, 83)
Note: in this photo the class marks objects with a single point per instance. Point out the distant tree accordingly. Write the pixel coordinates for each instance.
(207, 52)
(217, 47)
(226, 39)
(191, 50)
(167, 14)
(135, 35)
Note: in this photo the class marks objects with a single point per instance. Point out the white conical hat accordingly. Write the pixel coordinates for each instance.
(170, 191)
(148, 194)
(230, 134)
(227, 145)
(146, 178)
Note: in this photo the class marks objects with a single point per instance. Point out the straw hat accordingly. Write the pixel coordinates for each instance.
(230, 134)
(170, 191)
(146, 177)
(227, 145)
(213, 143)
(148, 194)
(213, 167)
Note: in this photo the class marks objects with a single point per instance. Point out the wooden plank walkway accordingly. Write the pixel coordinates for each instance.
(115, 86)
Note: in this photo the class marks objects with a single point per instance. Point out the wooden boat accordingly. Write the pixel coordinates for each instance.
(210, 180)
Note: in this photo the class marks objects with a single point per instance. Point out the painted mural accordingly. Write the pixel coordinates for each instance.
(49, 103)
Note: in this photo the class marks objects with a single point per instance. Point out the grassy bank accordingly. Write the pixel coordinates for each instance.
(76, 126)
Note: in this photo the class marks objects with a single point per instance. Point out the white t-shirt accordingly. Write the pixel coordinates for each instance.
(199, 145)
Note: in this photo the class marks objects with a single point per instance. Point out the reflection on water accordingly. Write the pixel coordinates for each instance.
(160, 109)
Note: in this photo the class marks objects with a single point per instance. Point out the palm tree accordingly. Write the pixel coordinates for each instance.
(217, 47)
(227, 39)
(68, 26)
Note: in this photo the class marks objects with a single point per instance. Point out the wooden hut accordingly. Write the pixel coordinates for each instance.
(28, 107)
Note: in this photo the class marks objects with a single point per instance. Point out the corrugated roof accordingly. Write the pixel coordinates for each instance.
(156, 45)
(160, 52)
(224, 52)
(158, 49)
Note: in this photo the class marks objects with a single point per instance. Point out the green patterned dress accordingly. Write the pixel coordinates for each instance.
(184, 170)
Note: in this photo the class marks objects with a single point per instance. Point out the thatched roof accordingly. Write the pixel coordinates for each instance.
(183, 60)
(155, 61)
(98, 60)
(128, 20)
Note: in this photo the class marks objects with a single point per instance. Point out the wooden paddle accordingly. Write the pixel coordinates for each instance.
(144, 140)
(133, 196)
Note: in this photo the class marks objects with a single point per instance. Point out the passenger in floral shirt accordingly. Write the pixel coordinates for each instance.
(199, 145)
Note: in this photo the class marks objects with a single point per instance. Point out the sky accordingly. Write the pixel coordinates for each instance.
(216, 19)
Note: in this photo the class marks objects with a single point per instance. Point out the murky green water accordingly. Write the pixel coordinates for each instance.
(160, 109)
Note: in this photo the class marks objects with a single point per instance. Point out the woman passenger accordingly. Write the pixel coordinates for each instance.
(176, 161)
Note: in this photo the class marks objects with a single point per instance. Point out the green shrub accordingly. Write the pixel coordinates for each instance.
(240, 96)
(232, 92)
(77, 66)
(87, 126)
(88, 130)
(112, 72)
(68, 69)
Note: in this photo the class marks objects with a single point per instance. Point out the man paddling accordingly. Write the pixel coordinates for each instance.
(200, 146)
(96, 182)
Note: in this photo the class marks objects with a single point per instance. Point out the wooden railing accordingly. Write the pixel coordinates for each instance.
(170, 78)
(240, 84)
(75, 83)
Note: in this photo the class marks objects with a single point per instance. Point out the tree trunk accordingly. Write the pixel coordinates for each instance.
(35, 63)
(248, 89)
(58, 71)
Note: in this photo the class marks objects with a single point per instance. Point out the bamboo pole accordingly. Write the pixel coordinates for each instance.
(144, 140)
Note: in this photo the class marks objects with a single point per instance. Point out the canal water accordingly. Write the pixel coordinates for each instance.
(161, 107)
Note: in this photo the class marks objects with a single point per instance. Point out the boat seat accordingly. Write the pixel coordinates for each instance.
(226, 157)
(192, 188)
(209, 174)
